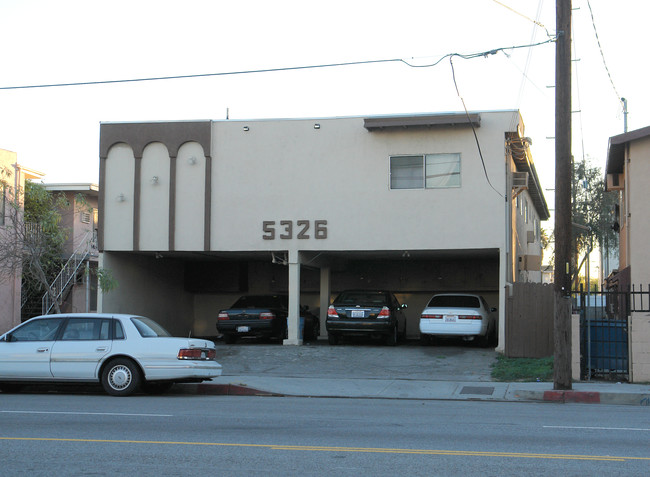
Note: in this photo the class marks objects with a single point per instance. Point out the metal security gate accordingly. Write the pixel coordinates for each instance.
(604, 318)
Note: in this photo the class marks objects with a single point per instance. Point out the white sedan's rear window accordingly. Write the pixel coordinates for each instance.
(149, 328)
(454, 301)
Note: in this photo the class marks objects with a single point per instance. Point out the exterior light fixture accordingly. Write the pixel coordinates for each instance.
(191, 161)
(317, 126)
(154, 180)
(120, 198)
(246, 128)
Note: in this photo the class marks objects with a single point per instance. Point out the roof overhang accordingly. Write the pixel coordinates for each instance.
(88, 188)
(616, 149)
(422, 121)
(523, 159)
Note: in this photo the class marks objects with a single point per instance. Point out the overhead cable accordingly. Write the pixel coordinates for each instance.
(524, 16)
(273, 70)
(602, 54)
(478, 144)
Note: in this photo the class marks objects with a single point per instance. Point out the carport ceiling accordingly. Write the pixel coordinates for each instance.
(320, 258)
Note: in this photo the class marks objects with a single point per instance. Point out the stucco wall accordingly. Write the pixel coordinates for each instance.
(155, 198)
(639, 346)
(639, 220)
(118, 191)
(287, 170)
(150, 287)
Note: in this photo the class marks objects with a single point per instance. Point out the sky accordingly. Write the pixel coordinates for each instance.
(55, 130)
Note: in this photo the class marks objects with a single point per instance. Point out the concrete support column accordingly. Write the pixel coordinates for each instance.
(575, 347)
(100, 292)
(504, 286)
(293, 320)
(325, 293)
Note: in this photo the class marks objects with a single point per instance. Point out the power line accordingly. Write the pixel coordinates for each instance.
(274, 70)
(478, 144)
(602, 54)
(536, 22)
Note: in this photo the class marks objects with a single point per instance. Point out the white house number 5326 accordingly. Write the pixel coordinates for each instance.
(287, 229)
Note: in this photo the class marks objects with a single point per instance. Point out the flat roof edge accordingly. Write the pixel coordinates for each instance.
(423, 121)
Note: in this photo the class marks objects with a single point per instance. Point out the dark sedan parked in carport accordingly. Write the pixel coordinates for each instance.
(263, 316)
(366, 312)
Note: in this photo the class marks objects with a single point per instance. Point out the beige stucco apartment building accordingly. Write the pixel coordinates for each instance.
(628, 171)
(194, 214)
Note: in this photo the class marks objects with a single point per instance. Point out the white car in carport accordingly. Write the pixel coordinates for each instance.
(459, 315)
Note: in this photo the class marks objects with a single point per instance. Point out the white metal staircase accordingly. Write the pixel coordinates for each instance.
(67, 276)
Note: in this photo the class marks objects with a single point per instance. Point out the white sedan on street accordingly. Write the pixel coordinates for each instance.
(124, 353)
(460, 315)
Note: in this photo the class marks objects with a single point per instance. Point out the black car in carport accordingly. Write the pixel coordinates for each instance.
(366, 312)
(263, 316)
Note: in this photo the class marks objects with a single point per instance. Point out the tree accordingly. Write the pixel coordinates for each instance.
(591, 210)
(31, 241)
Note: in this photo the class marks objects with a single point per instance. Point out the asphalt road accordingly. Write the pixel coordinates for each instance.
(94, 434)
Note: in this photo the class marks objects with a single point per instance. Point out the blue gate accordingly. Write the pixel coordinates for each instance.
(603, 334)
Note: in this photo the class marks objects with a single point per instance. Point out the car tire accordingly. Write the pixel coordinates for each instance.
(391, 338)
(494, 338)
(121, 377)
(156, 388)
(313, 333)
(229, 338)
(332, 338)
(485, 340)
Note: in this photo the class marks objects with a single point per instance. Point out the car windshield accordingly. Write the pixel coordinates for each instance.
(261, 301)
(149, 328)
(454, 301)
(361, 298)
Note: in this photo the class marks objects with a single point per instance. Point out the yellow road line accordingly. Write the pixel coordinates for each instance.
(520, 455)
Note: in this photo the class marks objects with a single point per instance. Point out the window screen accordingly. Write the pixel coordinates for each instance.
(430, 171)
(406, 172)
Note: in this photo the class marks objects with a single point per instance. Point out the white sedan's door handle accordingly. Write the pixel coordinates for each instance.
(42, 350)
(102, 348)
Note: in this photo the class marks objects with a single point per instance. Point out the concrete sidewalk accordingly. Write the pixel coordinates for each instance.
(408, 371)
(591, 393)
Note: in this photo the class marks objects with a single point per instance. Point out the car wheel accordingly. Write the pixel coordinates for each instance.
(391, 339)
(494, 339)
(155, 388)
(229, 339)
(485, 340)
(332, 339)
(121, 377)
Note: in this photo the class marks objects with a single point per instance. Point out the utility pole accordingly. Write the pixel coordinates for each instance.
(562, 279)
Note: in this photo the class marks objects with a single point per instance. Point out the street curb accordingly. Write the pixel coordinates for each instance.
(224, 390)
(572, 396)
(512, 395)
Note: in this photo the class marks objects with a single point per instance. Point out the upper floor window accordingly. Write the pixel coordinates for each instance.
(426, 171)
(526, 210)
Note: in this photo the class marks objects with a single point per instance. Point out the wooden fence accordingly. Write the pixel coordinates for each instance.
(529, 321)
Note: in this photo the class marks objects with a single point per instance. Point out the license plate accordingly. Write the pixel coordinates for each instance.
(357, 313)
(243, 329)
(451, 318)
